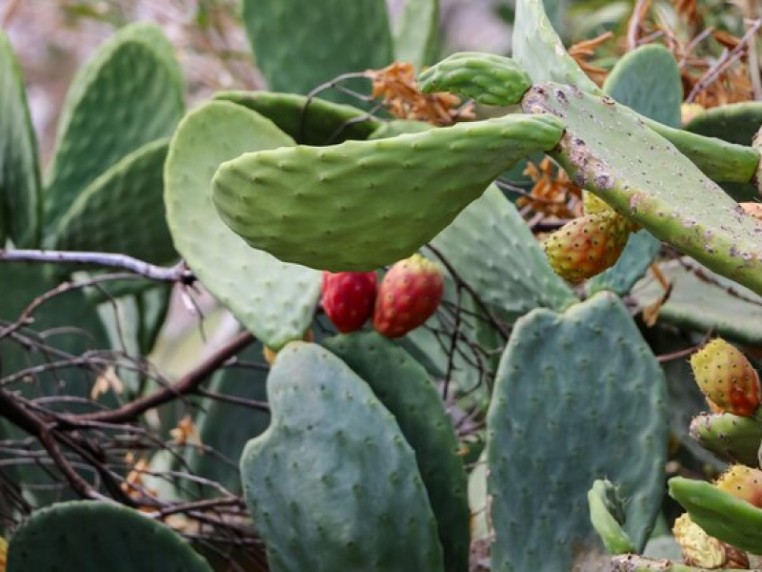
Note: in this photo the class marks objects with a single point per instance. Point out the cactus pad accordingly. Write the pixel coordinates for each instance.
(299, 45)
(416, 37)
(404, 387)
(20, 206)
(309, 121)
(90, 536)
(125, 97)
(646, 179)
(731, 437)
(607, 516)
(486, 78)
(123, 210)
(735, 122)
(720, 514)
(332, 484)
(382, 199)
(272, 299)
(575, 393)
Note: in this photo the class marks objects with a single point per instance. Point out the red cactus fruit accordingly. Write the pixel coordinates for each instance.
(348, 298)
(742, 482)
(727, 379)
(408, 295)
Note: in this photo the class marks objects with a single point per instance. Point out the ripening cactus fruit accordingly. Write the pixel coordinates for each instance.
(742, 482)
(587, 245)
(348, 298)
(727, 379)
(409, 295)
(700, 549)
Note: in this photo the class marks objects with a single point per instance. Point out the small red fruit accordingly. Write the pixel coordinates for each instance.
(348, 298)
(408, 295)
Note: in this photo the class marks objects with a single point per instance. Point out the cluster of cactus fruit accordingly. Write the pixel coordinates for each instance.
(533, 433)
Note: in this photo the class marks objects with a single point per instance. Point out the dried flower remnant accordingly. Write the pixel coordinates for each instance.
(553, 193)
(582, 51)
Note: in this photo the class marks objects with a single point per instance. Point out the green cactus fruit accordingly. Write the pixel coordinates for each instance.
(575, 393)
(719, 513)
(20, 204)
(324, 41)
(92, 536)
(730, 436)
(727, 378)
(123, 210)
(538, 49)
(332, 484)
(127, 95)
(493, 250)
(607, 516)
(416, 34)
(408, 295)
(383, 198)
(224, 428)
(485, 78)
(404, 387)
(276, 301)
(742, 482)
(646, 179)
(309, 121)
(587, 245)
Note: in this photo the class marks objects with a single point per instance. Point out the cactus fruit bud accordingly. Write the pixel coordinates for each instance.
(701, 550)
(726, 378)
(348, 298)
(587, 245)
(742, 482)
(408, 295)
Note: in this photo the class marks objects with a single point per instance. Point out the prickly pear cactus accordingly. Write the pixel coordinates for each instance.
(308, 121)
(297, 46)
(274, 300)
(732, 437)
(404, 387)
(607, 516)
(132, 73)
(20, 206)
(128, 196)
(575, 393)
(646, 179)
(384, 198)
(416, 35)
(332, 484)
(91, 536)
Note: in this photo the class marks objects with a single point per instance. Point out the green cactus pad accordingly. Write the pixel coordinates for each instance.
(225, 428)
(309, 121)
(607, 516)
(400, 127)
(720, 514)
(733, 438)
(123, 210)
(486, 78)
(404, 387)
(382, 199)
(493, 250)
(538, 49)
(126, 96)
(272, 299)
(416, 37)
(735, 122)
(20, 205)
(645, 178)
(575, 394)
(642, 248)
(91, 536)
(332, 484)
(704, 301)
(299, 45)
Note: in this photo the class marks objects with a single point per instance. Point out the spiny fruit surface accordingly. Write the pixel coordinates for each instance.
(726, 378)
(408, 296)
(348, 298)
(742, 482)
(587, 245)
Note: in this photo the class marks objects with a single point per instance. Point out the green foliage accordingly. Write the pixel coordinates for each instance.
(574, 395)
(20, 210)
(607, 516)
(732, 437)
(272, 299)
(383, 198)
(416, 37)
(332, 484)
(91, 536)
